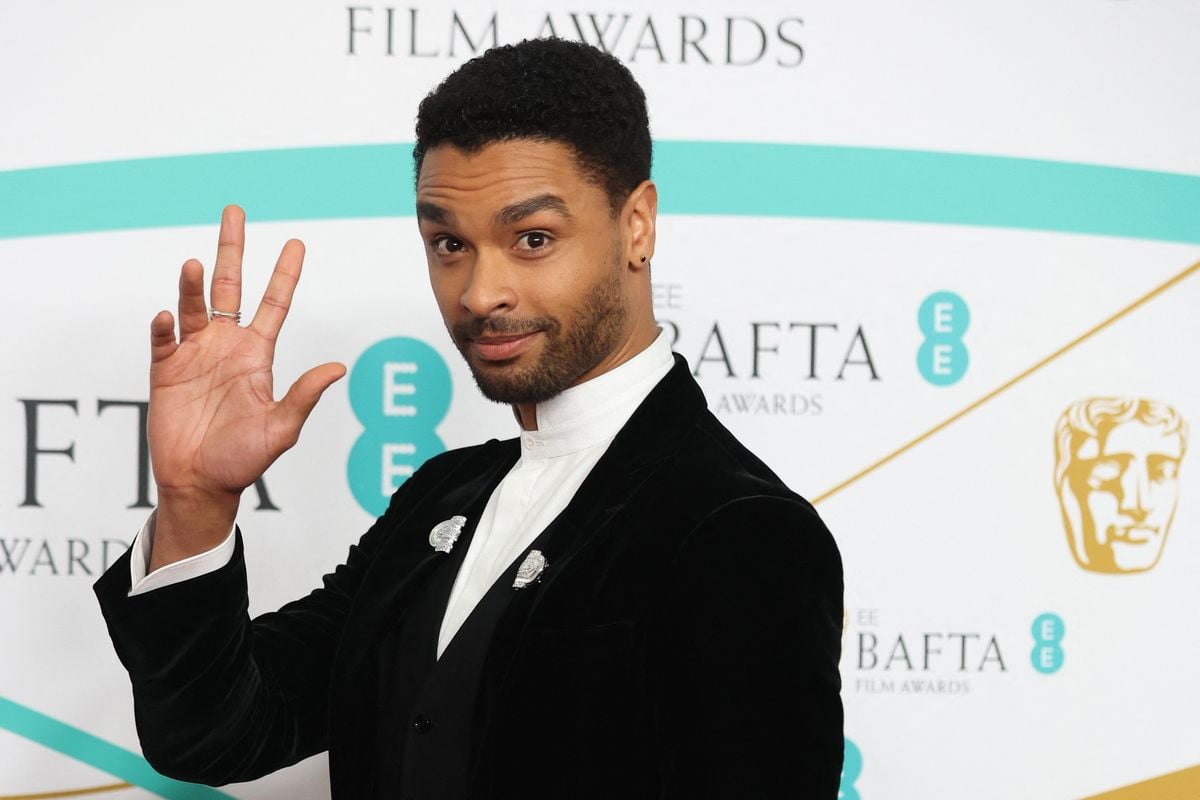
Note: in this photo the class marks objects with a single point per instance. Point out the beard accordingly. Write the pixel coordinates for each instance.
(569, 351)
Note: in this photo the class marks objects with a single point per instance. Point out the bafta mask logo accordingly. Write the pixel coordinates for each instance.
(1116, 471)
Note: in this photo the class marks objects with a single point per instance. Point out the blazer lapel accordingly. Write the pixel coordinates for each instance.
(403, 566)
(650, 436)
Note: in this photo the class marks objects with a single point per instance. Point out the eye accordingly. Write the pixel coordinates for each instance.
(533, 240)
(447, 245)
(1163, 469)
(1104, 472)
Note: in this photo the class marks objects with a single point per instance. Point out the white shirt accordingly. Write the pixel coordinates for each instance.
(575, 428)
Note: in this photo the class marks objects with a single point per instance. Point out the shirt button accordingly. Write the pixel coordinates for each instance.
(528, 444)
(422, 723)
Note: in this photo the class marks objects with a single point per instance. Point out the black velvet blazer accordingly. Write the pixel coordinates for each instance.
(683, 641)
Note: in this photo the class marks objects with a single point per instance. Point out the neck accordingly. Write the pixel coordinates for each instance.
(526, 414)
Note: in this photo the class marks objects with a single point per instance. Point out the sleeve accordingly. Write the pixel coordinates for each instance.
(182, 570)
(743, 657)
(219, 698)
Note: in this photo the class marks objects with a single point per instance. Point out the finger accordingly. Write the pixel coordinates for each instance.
(293, 410)
(226, 292)
(277, 299)
(162, 336)
(193, 313)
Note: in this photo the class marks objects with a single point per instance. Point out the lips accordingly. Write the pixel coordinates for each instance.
(502, 348)
(1132, 534)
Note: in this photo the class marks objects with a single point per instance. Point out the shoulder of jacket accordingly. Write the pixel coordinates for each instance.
(449, 460)
(712, 468)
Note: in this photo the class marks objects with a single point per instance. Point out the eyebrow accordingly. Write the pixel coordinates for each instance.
(434, 213)
(509, 215)
(514, 213)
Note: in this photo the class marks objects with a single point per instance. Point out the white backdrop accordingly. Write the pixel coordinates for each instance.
(820, 181)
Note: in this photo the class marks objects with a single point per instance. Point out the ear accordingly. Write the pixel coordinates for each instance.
(639, 218)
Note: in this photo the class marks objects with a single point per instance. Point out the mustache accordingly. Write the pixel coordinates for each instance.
(477, 327)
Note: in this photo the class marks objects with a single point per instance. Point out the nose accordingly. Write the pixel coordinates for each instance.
(489, 289)
(1135, 490)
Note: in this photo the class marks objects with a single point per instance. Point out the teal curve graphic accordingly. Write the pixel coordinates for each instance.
(96, 752)
(697, 178)
(720, 178)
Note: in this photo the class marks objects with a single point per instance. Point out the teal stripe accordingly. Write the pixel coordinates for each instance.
(316, 183)
(916, 186)
(718, 178)
(98, 753)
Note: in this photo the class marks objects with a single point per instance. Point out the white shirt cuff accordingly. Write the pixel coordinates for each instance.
(177, 572)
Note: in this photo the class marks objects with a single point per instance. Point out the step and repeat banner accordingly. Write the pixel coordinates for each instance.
(935, 262)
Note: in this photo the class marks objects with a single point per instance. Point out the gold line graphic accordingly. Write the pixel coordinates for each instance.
(111, 787)
(1155, 292)
(1181, 785)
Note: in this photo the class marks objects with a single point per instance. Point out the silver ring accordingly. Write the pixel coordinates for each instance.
(236, 316)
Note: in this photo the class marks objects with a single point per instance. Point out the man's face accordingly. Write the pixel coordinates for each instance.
(527, 264)
(1122, 491)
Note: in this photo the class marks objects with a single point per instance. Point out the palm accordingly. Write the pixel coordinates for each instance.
(214, 425)
(213, 390)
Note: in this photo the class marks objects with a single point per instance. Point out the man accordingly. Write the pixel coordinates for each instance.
(1116, 473)
(622, 602)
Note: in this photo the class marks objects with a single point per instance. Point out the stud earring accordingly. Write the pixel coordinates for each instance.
(643, 259)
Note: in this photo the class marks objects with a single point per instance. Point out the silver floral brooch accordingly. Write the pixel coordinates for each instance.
(530, 569)
(445, 534)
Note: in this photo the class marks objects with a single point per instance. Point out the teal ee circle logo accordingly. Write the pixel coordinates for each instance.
(400, 392)
(852, 764)
(1047, 655)
(942, 358)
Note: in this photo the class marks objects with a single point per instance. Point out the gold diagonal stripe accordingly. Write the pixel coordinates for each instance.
(1011, 382)
(1181, 785)
(109, 787)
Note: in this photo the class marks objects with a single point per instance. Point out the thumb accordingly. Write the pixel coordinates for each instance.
(289, 416)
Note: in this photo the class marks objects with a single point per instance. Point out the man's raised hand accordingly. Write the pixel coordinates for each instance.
(214, 426)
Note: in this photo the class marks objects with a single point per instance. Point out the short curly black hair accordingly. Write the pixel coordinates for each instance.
(550, 90)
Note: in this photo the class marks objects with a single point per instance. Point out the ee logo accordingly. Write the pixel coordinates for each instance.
(942, 358)
(1047, 655)
(400, 392)
(852, 764)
